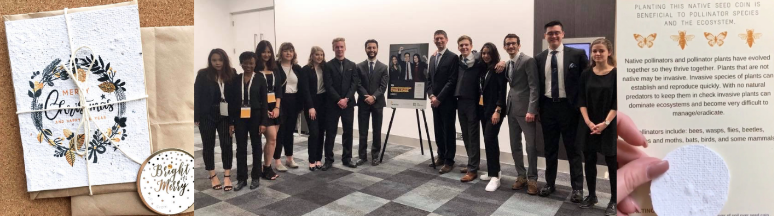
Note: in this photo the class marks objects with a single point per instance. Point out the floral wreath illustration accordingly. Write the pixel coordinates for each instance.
(109, 84)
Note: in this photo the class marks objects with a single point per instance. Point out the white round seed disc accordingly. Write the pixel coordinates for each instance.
(696, 183)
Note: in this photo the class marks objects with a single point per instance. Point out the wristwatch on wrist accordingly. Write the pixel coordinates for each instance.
(607, 123)
(498, 111)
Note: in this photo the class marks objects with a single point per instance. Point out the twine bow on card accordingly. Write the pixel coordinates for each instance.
(86, 118)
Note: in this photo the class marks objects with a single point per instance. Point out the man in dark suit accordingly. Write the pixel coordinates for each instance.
(406, 66)
(559, 69)
(468, 95)
(522, 107)
(440, 86)
(341, 81)
(370, 101)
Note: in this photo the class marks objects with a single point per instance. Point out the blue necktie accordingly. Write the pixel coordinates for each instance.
(554, 76)
(370, 68)
(437, 57)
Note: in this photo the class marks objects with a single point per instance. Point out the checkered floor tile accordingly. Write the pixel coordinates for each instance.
(402, 185)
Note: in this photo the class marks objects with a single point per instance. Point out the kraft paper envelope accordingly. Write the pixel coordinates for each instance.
(168, 57)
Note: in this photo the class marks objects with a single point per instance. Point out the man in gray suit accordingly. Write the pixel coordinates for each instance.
(370, 101)
(522, 105)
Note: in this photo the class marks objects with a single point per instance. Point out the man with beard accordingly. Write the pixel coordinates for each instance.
(370, 101)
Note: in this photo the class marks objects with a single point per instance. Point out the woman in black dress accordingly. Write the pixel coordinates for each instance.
(266, 66)
(493, 90)
(211, 114)
(316, 110)
(598, 105)
(420, 69)
(296, 96)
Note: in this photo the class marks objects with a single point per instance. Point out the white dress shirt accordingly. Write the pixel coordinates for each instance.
(292, 83)
(560, 67)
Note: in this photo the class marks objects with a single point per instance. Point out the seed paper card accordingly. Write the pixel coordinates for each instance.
(110, 69)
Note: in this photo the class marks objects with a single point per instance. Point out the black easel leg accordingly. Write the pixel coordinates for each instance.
(429, 143)
(386, 138)
(419, 128)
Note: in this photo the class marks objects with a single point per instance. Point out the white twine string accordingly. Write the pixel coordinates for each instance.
(86, 116)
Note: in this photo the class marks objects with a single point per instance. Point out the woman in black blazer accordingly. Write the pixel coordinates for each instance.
(211, 114)
(295, 97)
(315, 109)
(266, 67)
(394, 69)
(493, 91)
(420, 68)
(247, 116)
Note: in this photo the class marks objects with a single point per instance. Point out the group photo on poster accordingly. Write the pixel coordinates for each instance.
(408, 72)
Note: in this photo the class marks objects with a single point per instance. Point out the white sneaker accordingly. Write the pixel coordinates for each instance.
(494, 183)
(485, 176)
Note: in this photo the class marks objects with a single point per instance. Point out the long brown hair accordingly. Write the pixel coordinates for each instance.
(609, 46)
(493, 54)
(260, 65)
(224, 74)
(315, 49)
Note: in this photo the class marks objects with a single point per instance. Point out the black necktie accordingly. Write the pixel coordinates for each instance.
(554, 76)
(370, 68)
(341, 66)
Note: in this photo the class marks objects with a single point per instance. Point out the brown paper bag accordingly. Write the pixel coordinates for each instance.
(97, 189)
(169, 78)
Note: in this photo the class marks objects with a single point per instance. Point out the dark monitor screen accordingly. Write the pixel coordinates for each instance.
(584, 46)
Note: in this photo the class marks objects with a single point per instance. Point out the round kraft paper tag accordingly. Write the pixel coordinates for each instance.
(165, 182)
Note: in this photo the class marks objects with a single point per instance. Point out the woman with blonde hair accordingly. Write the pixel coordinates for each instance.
(315, 110)
(597, 132)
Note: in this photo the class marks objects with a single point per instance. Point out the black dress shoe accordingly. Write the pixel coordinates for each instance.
(254, 184)
(577, 196)
(361, 162)
(374, 162)
(326, 166)
(546, 190)
(312, 168)
(350, 164)
(589, 202)
(240, 185)
(611, 209)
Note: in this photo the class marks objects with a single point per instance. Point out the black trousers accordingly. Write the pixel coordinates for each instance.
(347, 117)
(492, 144)
(207, 128)
(591, 172)
(290, 109)
(316, 129)
(469, 113)
(561, 118)
(243, 128)
(445, 137)
(363, 112)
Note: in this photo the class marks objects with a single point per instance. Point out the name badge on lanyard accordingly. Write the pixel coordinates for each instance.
(481, 90)
(245, 110)
(270, 97)
(223, 103)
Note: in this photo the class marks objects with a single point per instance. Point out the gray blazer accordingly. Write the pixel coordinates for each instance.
(523, 80)
(374, 84)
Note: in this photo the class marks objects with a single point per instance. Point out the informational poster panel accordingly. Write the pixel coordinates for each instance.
(699, 72)
(408, 68)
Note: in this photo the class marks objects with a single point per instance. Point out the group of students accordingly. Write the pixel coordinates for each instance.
(558, 90)
(267, 98)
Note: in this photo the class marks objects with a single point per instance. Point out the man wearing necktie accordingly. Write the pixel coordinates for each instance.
(370, 102)
(522, 108)
(559, 68)
(468, 94)
(406, 66)
(439, 86)
(341, 81)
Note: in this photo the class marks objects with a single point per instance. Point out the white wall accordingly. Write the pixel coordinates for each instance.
(307, 23)
(212, 26)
